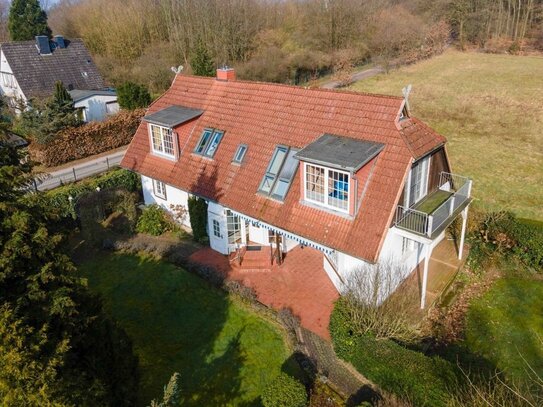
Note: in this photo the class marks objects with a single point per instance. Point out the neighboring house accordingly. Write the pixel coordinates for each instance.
(95, 105)
(30, 69)
(351, 175)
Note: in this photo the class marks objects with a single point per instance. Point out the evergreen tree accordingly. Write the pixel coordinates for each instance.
(132, 96)
(26, 20)
(201, 61)
(56, 345)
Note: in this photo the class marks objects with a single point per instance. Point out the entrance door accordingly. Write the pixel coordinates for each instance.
(233, 226)
(419, 181)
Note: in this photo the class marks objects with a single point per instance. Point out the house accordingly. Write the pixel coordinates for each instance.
(30, 69)
(350, 175)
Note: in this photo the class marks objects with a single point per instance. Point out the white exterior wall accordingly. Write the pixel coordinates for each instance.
(14, 93)
(95, 106)
(174, 196)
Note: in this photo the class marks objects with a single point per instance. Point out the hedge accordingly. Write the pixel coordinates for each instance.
(284, 391)
(410, 375)
(118, 178)
(197, 208)
(93, 138)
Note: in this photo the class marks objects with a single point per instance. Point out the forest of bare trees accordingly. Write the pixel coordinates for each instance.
(285, 40)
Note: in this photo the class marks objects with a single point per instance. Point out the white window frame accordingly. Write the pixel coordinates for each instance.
(164, 131)
(424, 163)
(159, 189)
(326, 188)
(217, 229)
(240, 153)
(8, 79)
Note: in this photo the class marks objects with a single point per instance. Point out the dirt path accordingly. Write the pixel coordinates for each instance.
(357, 76)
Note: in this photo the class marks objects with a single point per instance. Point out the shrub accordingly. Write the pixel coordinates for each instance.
(74, 143)
(504, 234)
(198, 218)
(284, 391)
(153, 221)
(132, 96)
(407, 373)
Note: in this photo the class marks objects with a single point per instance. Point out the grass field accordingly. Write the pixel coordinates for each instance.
(506, 326)
(225, 353)
(490, 107)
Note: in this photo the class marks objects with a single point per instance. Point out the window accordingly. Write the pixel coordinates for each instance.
(162, 140)
(327, 187)
(217, 229)
(159, 189)
(233, 226)
(207, 146)
(280, 173)
(8, 80)
(418, 181)
(112, 108)
(240, 153)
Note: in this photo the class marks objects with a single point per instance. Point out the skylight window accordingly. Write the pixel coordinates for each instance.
(280, 173)
(209, 142)
(240, 154)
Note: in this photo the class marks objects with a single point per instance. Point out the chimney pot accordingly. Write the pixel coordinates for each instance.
(226, 74)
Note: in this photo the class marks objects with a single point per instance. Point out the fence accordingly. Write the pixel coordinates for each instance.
(76, 173)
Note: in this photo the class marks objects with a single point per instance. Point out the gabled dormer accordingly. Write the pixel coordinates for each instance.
(161, 126)
(329, 168)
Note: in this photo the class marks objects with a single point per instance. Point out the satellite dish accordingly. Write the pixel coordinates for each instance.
(177, 70)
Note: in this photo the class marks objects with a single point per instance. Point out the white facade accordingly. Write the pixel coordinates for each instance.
(97, 107)
(9, 87)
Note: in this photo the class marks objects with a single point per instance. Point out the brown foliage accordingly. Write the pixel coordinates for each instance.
(93, 138)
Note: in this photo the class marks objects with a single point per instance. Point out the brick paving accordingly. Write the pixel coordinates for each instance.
(300, 283)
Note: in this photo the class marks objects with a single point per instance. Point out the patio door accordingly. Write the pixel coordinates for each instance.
(418, 181)
(234, 229)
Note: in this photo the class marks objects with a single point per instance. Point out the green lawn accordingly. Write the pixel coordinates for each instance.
(506, 325)
(225, 353)
(490, 109)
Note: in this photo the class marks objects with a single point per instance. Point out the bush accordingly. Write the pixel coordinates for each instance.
(132, 96)
(504, 234)
(198, 218)
(153, 221)
(407, 373)
(284, 391)
(58, 198)
(74, 143)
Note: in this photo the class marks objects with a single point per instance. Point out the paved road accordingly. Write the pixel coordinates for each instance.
(357, 76)
(79, 171)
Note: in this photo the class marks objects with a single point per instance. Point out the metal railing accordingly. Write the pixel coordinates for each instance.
(427, 223)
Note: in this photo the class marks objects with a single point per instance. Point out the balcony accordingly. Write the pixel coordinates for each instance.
(430, 216)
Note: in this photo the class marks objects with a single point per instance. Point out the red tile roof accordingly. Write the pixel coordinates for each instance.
(263, 115)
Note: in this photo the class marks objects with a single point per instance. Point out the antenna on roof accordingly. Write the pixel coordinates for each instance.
(406, 91)
(177, 70)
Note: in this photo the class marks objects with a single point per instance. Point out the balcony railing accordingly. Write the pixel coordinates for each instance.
(437, 209)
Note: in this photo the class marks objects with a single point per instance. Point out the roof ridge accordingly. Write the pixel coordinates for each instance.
(312, 89)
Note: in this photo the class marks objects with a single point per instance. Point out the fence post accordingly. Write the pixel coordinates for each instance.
(35, 184)
(107, 162)
(73, 169)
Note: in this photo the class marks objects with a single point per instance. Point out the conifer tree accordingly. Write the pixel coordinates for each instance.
(26, 20)
(201, 62)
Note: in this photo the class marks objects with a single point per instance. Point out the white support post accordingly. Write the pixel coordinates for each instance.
(463, 234)
(428, 252)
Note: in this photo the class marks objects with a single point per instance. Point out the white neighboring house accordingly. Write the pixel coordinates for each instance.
(350, 175)
(95, 105)
(30, 69)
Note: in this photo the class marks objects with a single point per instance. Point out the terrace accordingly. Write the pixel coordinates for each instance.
(430, 216)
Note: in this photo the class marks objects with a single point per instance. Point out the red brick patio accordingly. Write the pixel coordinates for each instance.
(300, 283)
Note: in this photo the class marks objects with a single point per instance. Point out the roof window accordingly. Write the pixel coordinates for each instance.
(209, 142)
(240, 154)
(280, 173)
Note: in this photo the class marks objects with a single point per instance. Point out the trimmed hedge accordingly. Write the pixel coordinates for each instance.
(410, 375)
(93, 138)
(198, 218)
(285, 391)
(153, 221)
(118, 178)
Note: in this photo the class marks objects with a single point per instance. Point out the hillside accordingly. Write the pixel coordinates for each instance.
(490, 109)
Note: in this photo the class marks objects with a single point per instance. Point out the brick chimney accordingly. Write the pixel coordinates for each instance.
(226, 74)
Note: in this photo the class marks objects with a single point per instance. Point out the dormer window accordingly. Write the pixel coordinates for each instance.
(327, 187)
(162, 140)
(209, 142)
(280, 173)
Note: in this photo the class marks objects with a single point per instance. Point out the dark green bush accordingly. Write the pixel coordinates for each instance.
(133, 96)
(504, 234)
(58, 198)
(153, 221)
(198, 218)
(284, 391)
(408, 374)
